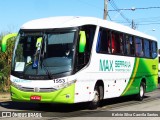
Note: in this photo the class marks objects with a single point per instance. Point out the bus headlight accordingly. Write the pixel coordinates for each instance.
(16, 85)
(64, 85)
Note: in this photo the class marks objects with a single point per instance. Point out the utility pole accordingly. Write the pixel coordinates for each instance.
(105, 9)
(133, 25)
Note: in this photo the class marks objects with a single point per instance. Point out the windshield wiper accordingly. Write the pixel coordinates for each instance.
(50, 76)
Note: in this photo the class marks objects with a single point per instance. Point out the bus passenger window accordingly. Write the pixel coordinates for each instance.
(129, 45)
(154, 49)
(139, 48)
(121, 40)
(103, 43)
(146, 48)
(113, 43)
(117, 43)
(132, 47)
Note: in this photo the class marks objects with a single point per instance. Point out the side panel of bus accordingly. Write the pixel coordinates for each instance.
(121, 75)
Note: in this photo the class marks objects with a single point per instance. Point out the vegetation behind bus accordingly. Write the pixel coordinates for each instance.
(5, 64)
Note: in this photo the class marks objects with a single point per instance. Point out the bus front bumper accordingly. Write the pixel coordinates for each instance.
(65, 95)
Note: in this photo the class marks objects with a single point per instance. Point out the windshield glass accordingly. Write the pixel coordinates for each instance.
(44, 53)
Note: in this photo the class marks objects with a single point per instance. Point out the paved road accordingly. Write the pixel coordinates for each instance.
(110, 108)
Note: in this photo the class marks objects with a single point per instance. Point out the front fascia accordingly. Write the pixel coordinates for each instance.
(62, 95)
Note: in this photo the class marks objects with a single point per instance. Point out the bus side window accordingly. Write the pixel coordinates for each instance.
(113, 43)
(154, 49)
(121, 40)
(109, 41)
(132, 47)
(98, 42)
(103, 45)
(146, 48)
(137, 48)
(117, 43)
(129, 45)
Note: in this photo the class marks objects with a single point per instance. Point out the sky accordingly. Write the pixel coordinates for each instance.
(14, 13)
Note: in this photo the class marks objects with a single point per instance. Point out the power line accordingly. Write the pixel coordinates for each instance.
(133, 9)
(158, 17)
(147, 19)
(118, 10)
(156, 23)
(109, 17)
(141, 23)
(144, 21)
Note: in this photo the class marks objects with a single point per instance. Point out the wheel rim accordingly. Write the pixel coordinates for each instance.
(96, 97)
(141, 91)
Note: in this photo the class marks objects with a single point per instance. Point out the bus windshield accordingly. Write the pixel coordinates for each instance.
(44, 53)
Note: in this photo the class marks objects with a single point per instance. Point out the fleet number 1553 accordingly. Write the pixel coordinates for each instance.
(59, 80)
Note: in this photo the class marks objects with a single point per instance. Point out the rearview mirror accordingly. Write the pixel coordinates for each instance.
(82, 42)
(5, 39)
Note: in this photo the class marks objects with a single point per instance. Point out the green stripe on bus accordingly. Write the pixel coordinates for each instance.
(136, 64)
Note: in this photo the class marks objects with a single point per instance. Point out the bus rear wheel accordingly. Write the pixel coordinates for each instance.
(140, 95)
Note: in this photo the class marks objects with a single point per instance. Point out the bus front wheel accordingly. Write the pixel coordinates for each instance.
(96, 100)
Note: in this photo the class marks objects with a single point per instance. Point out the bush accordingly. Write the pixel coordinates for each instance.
(5, 65)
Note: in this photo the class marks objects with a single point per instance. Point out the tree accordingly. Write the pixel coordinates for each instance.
(5, 65)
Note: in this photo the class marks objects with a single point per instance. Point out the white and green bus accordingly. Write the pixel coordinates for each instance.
(81, 59)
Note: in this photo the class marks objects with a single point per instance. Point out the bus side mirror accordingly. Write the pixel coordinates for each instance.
(82, 42)
(5, 39)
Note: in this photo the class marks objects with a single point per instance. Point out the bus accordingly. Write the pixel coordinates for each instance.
(70, 59)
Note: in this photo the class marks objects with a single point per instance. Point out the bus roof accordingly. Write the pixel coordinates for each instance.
(74, 21)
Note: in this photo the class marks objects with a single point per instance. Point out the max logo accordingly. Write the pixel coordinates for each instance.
(106, 65)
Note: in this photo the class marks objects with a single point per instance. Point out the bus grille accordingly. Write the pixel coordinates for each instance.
(36, 89)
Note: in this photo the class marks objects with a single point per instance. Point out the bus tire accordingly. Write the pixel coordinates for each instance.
(140, 95)
(96, 100)
(101, 92)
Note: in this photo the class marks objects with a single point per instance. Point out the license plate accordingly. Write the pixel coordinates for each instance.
(35, 97)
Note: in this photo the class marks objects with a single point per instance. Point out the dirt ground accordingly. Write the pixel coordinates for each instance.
(4, 96)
